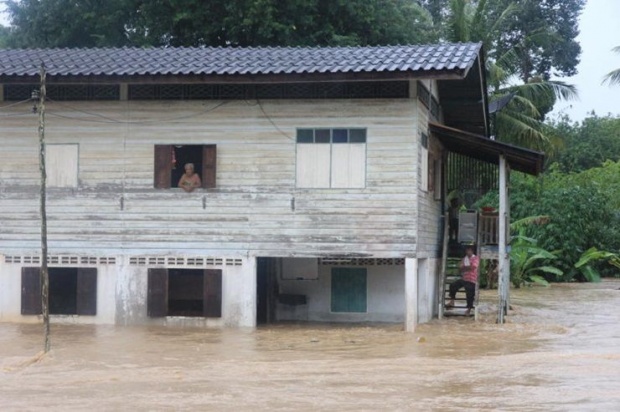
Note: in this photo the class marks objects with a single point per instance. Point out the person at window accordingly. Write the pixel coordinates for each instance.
(468, 267)
(190, 179)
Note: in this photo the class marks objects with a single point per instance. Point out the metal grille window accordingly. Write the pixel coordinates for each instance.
(331, 158)
(63, 92)
(336, 90)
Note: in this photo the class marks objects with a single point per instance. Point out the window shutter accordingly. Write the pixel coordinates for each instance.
(31, 291)
(209, 165)
(163, 166)
(87, 291)
(157, 298)
(213, 293)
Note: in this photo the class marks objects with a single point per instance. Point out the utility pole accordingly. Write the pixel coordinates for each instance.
(44, 272)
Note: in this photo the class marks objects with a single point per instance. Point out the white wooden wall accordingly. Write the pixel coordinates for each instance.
(255, 209)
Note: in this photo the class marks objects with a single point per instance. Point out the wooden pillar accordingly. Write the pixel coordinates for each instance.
(503, 256)
(411, 294)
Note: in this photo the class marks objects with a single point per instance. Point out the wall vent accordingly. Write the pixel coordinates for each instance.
(65, 260)
(362, 261)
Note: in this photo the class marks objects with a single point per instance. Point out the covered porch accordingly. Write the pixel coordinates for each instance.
(475, 165)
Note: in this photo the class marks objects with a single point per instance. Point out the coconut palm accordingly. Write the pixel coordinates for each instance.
(613, 77)
(521, 119)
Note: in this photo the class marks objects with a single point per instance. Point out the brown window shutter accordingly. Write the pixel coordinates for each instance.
(209, 164)
(31, 291)
(157, 297)
(163, 166)
(87, 291)
(213, 293)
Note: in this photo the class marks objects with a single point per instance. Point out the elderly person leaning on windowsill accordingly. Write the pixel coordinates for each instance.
(469, 271)
(190, 180)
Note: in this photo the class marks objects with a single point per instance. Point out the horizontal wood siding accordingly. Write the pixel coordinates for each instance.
(430, 220)
(255, 206)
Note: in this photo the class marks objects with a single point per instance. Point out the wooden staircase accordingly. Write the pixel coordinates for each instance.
(449, 273)
(460, 301)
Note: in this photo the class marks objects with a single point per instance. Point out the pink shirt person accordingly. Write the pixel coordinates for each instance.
(469, 267)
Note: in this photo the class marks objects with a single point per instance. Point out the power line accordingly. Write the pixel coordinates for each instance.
(106, 119)
(15, 104)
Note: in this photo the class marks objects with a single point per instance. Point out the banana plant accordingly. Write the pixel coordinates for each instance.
(528, 262)
(591, 255)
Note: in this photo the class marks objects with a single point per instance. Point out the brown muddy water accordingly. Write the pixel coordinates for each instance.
(560, 351)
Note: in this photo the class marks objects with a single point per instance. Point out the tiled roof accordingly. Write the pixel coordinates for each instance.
(444, 58)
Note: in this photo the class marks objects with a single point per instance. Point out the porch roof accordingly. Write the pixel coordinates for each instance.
(482, 148)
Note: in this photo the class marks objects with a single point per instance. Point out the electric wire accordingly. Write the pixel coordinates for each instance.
(15, 104)
(108, 120)
(282, 132)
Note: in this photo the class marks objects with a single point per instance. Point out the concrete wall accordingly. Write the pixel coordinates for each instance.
(122, 296)
(385, 296)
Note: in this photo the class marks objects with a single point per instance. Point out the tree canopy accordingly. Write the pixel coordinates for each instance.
(588, 144)
(541, 34)
(99, 23)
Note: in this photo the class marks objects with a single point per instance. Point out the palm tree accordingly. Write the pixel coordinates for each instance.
(613, 77)
(521, 120)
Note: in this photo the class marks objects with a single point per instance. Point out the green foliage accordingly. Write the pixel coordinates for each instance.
(521, 120)
(591, 255)
(69, 23)
(528, 261)
(613, 77)
(88, 23)
(540, 35)
(544, 35)
(588, 144)
(581, 215)
(4, 37)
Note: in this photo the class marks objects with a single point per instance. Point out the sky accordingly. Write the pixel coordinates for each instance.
(599, 27)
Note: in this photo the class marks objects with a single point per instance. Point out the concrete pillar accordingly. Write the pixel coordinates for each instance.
(411, 294)
(504, 259)
(241, 295)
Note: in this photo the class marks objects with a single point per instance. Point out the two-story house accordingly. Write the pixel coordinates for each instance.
(322, 172)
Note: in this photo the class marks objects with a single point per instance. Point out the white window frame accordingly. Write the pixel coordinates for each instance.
(320, 153)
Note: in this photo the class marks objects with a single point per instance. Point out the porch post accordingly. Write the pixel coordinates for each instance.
(411, 294)
(503, 256)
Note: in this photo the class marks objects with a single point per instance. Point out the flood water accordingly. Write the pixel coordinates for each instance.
(559, 351)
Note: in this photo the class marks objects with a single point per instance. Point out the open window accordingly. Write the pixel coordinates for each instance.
(185, 292)
(170, 161)
(72, 291)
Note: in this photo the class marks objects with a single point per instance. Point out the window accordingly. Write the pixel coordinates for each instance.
(424, 162)
(61, 165)
(72, 291)
(184, 292)
(170, 159)
(349, 291)
(331, 158)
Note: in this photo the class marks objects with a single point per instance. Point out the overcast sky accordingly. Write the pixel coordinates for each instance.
(599, 27)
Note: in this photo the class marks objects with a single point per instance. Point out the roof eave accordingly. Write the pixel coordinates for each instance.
(482, 148)
(239, 78)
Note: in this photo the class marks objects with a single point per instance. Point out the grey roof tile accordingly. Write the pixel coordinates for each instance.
(232, 61)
